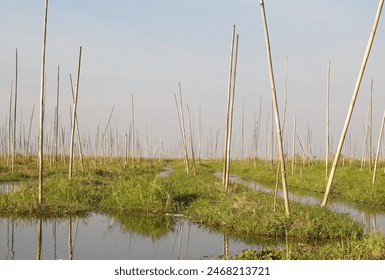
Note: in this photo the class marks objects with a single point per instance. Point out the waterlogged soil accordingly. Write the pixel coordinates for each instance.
(100, 237)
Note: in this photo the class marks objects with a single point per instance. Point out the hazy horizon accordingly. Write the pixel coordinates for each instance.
(145, 48)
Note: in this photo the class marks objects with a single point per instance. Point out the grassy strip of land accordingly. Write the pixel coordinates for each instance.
(246, 212)
(370, 247)
(350, 182)
(110, 187)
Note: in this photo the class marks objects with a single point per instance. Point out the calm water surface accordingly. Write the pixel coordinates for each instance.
(102, 237)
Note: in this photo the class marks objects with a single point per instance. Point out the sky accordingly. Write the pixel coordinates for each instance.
(145, 48)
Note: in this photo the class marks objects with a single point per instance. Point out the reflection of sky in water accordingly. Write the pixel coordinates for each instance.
(373, 219)
(8, 187)
(101, 237)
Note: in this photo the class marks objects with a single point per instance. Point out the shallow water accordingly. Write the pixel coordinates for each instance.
(102, 237)
(373, 219)
(7, 187)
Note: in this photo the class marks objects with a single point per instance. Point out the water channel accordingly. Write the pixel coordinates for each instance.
(372, 218)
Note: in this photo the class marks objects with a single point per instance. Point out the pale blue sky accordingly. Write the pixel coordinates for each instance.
(146, 47)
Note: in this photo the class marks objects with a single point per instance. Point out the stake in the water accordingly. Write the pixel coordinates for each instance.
(352, 103)
(230, 114)
(75, 103)
(275, 105)
(42, 94)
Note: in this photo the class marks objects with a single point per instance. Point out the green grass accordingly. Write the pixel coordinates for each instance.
(350, 184)
(246, 212)
(110, 187)
(370, 247)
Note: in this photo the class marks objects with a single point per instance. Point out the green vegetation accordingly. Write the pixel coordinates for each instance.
(126, 192)
(350, 183)
(371, 247)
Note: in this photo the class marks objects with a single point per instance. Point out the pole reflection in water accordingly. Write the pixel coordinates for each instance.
(128, 237)
(225, 246)
(10, 239)
(39, 239)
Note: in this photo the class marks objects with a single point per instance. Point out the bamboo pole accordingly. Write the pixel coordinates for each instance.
(105, 130)
(56, 127)
(353, 101)
(243, 129)
(275, 103)
(10, 124)
(183, 129)
(29, 131)
(42, 102)
(371, 126)
(229, 86)
(230, 115)
(133, 131)
(378, 149)
(293, 143)
(77, 127)
(365, 140)
(285, 94)
(327, 149)
(14, 117)
(191, 141)
(75, 103)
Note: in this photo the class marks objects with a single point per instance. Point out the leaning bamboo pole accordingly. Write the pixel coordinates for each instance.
(42, 98)
(353, 101)
(228, 104)
(29, 132)
(183, 131)
(77, 127)
(181, 127)
(285, 94)
(378, 150)
(230, 115)
(275, 103)
(75, 103)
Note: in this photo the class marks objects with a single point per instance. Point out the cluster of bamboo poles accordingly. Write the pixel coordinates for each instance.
(60, 143)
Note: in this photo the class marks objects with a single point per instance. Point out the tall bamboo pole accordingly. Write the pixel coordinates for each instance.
(371, 126)
(285, 94)
(231, 110)
(378, 149)
(327, 122)
(275, 103)
(77, 127)
(353, 101)
(293, 152)
(243, 129)
(75, 103)
(183, 129)
(42, 97)
(57, 114)
(10, 124)
(14, 116)
(228, 104)
(133, 131)
(29, 131)
(191, 141)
